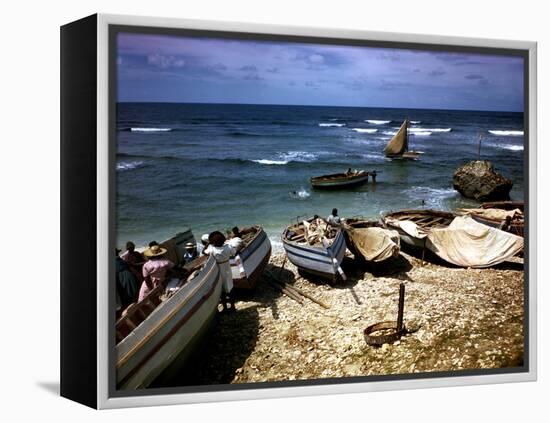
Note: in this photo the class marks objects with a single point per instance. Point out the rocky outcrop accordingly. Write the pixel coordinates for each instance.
(479, 180)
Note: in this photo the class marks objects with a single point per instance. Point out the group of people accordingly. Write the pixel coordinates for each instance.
(137, 274)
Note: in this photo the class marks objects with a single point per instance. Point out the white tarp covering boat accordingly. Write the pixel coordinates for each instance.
(375, 244)
(468, 243)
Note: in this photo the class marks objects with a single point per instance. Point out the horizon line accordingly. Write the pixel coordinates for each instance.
(321, 105)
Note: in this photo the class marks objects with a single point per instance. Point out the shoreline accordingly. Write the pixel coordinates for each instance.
(460, 318)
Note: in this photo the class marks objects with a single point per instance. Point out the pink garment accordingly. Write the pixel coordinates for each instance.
(156, 270)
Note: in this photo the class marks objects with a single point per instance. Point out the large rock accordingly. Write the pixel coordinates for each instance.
(480, 181)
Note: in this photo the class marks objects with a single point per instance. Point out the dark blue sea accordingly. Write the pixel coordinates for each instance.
(212, 166)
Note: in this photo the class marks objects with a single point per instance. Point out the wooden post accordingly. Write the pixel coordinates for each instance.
(401, 307)
(423, 252)
(283, 266)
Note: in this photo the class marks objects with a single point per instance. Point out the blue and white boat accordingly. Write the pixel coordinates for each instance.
(322, 258)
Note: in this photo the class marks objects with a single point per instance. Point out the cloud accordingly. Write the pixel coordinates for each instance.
(481, 80)
(392, 85)
(390, 55)
(437, 72)
(316, 59)
(272, 70)
(165, 62)
(248, 68)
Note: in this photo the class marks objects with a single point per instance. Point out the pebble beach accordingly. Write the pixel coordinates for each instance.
(457, 319)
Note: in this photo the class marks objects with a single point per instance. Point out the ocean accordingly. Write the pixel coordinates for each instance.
(212, 166)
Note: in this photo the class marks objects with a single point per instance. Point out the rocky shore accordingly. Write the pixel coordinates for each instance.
(458, 319)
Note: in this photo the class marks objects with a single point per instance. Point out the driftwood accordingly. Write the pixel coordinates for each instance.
(292, 291)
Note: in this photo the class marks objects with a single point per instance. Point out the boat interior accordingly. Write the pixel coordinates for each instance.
(311, 232)
(181, 274)
(424, 219)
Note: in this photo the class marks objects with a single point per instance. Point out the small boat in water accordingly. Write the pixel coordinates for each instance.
(398, 147)
(368, 240)
(251, 259)
(316, 248)
(414, 226)
(340, 180)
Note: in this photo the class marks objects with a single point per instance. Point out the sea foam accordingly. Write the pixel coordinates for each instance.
(506, 133)
(418, 129)
(377, 122)
(365, 130)
(150, 129)
(122, 166)
(332, 124)
(271, 162)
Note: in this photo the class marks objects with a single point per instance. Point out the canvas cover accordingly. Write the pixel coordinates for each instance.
(468, 243)
(375, 244)
(495, 214)
(409, 227)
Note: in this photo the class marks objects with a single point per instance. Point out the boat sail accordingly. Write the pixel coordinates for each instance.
(398, 146)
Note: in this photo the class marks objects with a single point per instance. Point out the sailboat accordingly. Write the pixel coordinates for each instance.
(398, 146)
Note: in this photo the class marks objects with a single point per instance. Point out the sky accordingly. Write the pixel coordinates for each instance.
(161, 68)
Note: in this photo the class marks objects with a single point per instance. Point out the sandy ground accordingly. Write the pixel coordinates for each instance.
(459, 319)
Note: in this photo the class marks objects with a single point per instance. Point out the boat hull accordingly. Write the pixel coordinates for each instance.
(340, 183)
(254, 259)
(317, 260)
(171, 332)
(515, 228)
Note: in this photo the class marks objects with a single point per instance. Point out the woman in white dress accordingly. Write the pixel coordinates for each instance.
(222, 253)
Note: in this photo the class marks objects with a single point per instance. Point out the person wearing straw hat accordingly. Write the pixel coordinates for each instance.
(154, 270)
(190, 252)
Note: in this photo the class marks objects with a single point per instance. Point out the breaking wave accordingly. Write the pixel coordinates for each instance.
(506, 133)
(432, 197)
(417, 129)
(332, 124)
(122, 166)
(378, 122)
(291, 156)
(511, 147)
(270, 162)
(150, 129)
(365, 130)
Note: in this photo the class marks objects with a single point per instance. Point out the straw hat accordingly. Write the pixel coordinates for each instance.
(155, 251)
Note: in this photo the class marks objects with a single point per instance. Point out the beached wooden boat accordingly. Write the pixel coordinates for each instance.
(252, 258)
(164, 329)
(424, 221)
(504, 205)
(494, 214)
(398, 147)
(369, 241)
(323, 257)
(157, 335)
(340, 180)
